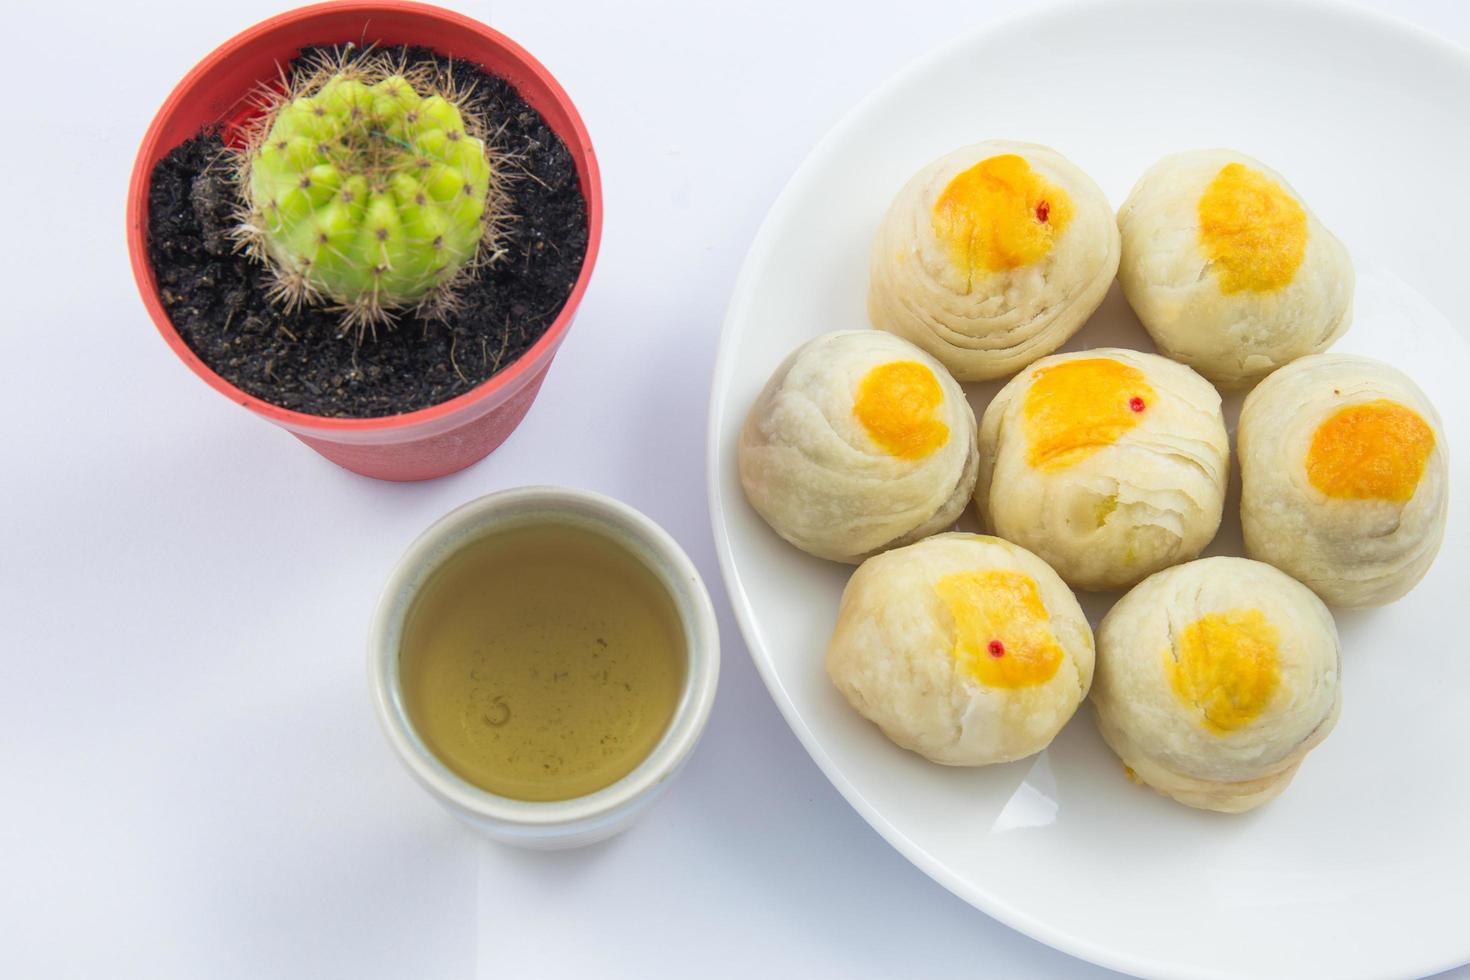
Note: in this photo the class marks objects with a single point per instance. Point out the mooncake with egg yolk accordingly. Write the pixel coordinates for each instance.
(1228, 270)
(1344, 478)
(1215, 679)
(859, 442)
(1110, 464)
(964, 648)
(992, 256)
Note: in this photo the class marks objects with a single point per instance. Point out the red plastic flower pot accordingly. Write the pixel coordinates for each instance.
(432, 441)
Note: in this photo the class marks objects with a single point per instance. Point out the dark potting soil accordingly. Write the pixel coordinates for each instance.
(217, 297)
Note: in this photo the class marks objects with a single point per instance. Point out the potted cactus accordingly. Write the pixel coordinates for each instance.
(368, 190)
(370, 223)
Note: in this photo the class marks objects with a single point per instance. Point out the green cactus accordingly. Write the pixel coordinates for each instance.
(368, 191)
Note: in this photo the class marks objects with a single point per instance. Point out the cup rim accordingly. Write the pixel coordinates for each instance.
(665, 559)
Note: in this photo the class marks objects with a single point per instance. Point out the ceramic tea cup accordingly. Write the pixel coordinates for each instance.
(597, 815)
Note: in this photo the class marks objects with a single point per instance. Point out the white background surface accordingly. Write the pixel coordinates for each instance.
(191, 780)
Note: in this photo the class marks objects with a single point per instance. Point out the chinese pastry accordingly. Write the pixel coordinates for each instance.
(993, 256)
(1228, 270)
(1344, 479)
(1110, 464)
(1214, 681)
(859, 442)
(964, 648)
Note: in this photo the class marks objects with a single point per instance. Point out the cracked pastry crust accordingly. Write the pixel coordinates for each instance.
(859, 442)
(1344, 478)
(966, 649)
(993, 256)
(1215, 679)
(1110, 464)
(1228, 270)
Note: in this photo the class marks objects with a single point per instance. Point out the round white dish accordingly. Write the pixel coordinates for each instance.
(582, 820)
(1362, 868)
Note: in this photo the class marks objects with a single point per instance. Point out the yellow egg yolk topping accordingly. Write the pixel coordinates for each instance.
(1227, 666)
(898, 404)
(1252, 230)
(1075, 408)
(1000, 214)
(1001, 634)
(1373, 451)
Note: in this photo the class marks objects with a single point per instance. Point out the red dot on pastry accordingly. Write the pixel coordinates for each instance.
(997, 648)
(1135, 403)
(1043, 211)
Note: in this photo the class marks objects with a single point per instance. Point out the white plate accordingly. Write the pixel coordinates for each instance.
(1363, 867)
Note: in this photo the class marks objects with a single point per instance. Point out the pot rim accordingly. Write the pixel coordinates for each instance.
(484, 396)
